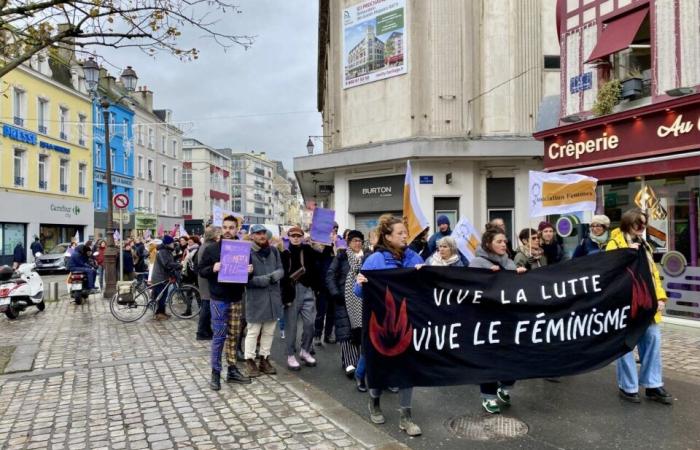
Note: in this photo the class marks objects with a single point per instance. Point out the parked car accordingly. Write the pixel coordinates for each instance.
(53, 260)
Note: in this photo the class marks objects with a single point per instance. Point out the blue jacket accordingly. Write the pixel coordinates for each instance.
(432, 242)
(383, 260)
(19, 255)
(77, 260)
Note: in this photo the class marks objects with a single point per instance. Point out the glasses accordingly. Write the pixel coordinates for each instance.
(597, 225)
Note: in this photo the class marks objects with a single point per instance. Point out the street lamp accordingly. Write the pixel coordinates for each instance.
(310, 143)
(92, 79)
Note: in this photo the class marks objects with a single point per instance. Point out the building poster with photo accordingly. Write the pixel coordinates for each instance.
(374, 41)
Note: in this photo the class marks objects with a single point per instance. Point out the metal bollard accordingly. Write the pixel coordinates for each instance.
(53, 291)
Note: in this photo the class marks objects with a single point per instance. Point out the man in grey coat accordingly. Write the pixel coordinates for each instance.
(204, 333)
(263, 303)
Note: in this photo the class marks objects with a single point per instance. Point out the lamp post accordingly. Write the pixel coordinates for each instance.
(310, 143)
(92, 78)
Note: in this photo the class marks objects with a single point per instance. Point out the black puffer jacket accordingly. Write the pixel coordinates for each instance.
(336, 275)
(225, 292)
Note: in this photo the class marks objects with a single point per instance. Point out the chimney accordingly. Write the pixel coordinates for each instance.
(111, 83)
(66, 49)
(145, 98)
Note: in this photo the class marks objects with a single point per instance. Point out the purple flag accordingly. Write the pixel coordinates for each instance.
(285, 242)
(322, 225)
(235, 257)
(117, 235)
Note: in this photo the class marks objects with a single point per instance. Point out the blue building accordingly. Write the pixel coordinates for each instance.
(121, 142)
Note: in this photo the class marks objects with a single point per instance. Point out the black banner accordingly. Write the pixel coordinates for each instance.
(440, 326)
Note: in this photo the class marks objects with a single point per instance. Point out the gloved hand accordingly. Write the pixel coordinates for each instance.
(532, 260)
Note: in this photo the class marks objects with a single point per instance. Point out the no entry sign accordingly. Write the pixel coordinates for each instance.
(120, 201)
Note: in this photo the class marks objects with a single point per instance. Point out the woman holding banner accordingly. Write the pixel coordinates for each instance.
(391, 252)
(631, 235)
(529, 255)
(447, 254)
(598, 238)
(493, 255)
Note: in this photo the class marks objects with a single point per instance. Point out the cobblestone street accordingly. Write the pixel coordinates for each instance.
(100, 383)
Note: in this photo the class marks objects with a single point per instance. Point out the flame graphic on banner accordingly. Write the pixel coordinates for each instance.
(394, 336)
(641, 297)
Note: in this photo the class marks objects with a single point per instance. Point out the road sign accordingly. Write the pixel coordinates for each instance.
(120, 201)
(122, 216)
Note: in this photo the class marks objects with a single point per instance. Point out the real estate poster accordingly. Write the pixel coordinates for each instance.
(375, 44)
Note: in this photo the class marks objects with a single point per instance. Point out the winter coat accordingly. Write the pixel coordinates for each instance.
(617, 240)
(485, 260)
(383, 259)
(128, 258)
(165, 265)
(78, 261)
(100, 258)
(141, 254)
(554, 251)
(19, 255)
(223, 292)
(36, 247)
(202, 283)
(291, 262)
(589, 247)
(335, 277)
(263, 302)
(436, 260)
(522, 259)
(432, 242)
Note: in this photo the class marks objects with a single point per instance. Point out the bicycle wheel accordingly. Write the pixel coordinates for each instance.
(185, 301)
(131, 311)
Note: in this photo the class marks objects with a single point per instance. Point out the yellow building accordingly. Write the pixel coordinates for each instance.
(45, 155)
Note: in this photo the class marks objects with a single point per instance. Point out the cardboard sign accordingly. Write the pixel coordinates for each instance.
(235, 257)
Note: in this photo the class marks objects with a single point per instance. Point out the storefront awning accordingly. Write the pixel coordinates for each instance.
(618, 34)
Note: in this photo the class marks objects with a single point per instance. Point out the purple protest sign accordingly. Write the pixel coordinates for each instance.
(235, 257)
(322, 225)
(340, 244)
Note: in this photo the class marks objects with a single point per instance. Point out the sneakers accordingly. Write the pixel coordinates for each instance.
(491, 406)
(503, 396)
(329, 339)
(215, 382)
(361, 386)
(631, 397)
(407, 424)
(266, 367)
(307, 359)
(659, 394)
(235, 376)
(281, 334)
(350, 371)
(293, 364)
(393, 390)
(251, 368)
(318, 341)
(375, 411)
(204, 338)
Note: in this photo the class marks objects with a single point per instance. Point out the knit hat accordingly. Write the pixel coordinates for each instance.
(355, 234)
(295, 230)
(167, 239)
(544, 225)
(443, 220)
(601, 219)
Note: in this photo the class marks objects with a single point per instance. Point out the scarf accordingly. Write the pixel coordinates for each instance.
(600, 240)
(531, 252)
(353, 303)
(436, 260)
(263, 250)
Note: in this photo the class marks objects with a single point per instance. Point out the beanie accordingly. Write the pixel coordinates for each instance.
(544, 225)
(601, 219)
(167, 239)
(443, 220)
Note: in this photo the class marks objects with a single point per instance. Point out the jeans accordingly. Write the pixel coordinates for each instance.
(305, 307)
(266, 331)
(101, 276)
(361, 368)
(488, 390)
(157, 289)
(204, 324)
(650, 356)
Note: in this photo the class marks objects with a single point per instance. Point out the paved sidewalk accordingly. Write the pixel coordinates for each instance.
(100, 383)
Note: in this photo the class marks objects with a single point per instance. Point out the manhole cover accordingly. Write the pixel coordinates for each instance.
(487, 428)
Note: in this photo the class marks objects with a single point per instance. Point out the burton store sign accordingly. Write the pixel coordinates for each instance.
(442, 326)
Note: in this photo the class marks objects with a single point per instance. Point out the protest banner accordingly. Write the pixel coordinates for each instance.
(218, 213)
(413, 215)
(467, 237)
(441, 326)
(235, 257)
(274, 229)
(322, 225)
(553, 193)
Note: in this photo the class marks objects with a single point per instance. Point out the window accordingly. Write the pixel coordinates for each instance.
(187, 154)
(151, 208)
(18, 99)
(174, 148)
(63, 175)
(139, 134)
(150, 138)
(63, 117)
(162, 144)
(150, 169)
(126, 163)
(174, 176)
(112, 124)
(186, 178)
(98, 155)
(139, 166)
(164, 174)
(175, 205)
(43, 115)
(98, 195)
(82, 178)
(552, 62)
(163, 203)
(82, 119)
(139, 199)
(125, 129)
(113, 158)
(187, 207)
(43, 172)
(19, 167)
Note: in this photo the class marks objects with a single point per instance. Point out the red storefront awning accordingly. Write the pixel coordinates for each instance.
(618, 34)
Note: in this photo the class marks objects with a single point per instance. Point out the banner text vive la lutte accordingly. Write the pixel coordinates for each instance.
(442, 326)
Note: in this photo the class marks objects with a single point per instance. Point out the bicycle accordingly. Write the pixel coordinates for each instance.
(131, 306)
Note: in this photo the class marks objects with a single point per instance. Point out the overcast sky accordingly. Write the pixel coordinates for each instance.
(276, 75)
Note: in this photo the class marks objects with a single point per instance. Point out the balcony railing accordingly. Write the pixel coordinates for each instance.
(81, 191)
(19, 121)
(42, 129)
(259, 171)
(43, 185)
(64, 136)
(64, 188)
(81, 141)
(19, 181)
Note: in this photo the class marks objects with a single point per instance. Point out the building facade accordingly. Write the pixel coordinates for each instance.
(285, 199)
(206, 182)
(45, 155)
(645, 151)
(252, 186)
(457, 94)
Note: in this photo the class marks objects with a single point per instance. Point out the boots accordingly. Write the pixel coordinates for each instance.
(215, 383)
(407, 424)
(375, 411)
(266, 367)
(251, 368)
(235, 376)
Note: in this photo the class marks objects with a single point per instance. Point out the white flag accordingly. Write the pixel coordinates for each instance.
(552, 193)
(467, 238)
(413, 215)
(76, 238)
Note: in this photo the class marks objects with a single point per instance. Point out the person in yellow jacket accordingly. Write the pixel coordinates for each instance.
(631, 235)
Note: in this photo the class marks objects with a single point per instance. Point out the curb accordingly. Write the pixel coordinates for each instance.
(341, 416)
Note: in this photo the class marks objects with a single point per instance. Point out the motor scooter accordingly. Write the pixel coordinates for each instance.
(20, 289)
(78, 287)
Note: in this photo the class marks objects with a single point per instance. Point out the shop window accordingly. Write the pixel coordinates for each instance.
(12, 234)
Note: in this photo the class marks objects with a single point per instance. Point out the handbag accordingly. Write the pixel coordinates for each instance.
(297, 274)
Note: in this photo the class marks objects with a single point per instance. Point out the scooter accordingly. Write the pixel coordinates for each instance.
(78, 286)
(20, 289)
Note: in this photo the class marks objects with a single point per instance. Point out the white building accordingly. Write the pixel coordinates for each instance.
(206, 181)
(157, 166)
(463, 112)
(252, 186)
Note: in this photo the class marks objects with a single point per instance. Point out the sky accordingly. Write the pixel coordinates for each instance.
(262, 99)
